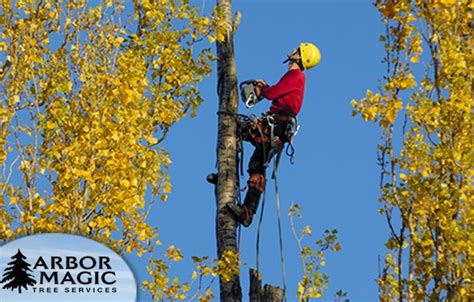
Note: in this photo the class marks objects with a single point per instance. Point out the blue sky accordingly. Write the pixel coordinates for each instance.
(335, 177)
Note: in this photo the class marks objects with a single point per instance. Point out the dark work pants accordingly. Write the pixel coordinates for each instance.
(261, 155)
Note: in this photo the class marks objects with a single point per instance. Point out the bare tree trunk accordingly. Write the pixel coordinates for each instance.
(255, 285)
(227, 150)
(269, 293)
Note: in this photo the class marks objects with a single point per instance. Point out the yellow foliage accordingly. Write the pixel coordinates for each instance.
(228, 266)
(162, 286)
(96, 90)
(313, 282)
(427, 179)
(173, 254)
(306, 230)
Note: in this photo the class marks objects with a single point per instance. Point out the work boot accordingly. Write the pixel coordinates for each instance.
(241, 213)
(212, 178)
(252, 199)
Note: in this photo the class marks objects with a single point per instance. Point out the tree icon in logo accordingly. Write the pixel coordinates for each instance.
(16, 274)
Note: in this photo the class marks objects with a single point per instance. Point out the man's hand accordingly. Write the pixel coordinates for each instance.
(259, 84)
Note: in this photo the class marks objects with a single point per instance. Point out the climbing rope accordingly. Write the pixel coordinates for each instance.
(239, 201)
(280, 235)
(243, 117)
(240, 160)
(277, 195)
(276, 161)
(260, 220)
(257, 260)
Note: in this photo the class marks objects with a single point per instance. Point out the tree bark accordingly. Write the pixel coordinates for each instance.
(227, 150)
(255, 285)
(269, 293)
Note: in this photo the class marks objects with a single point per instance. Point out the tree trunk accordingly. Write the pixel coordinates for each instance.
(227, 150)
(269, 293)
(255, 285)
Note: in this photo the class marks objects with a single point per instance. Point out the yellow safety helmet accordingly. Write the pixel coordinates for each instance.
(310, 55)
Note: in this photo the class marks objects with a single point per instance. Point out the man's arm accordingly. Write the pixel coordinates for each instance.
(284, 86)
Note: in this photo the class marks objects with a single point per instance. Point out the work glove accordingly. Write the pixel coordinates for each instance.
(259, 85)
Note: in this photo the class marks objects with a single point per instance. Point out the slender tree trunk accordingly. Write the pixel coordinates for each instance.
(227, 150)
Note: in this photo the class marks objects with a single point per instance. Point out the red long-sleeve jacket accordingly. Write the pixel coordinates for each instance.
(288, 93)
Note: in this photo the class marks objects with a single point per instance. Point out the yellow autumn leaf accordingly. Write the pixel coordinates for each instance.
(151, 140)
(306, 230)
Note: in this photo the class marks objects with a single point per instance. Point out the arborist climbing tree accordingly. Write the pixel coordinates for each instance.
(275, 128)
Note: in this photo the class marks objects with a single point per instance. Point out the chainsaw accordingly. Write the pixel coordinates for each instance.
(247, 93)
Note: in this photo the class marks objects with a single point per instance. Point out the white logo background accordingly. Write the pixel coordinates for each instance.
(47, 245)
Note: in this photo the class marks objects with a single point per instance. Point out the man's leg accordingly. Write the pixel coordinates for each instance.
(256, 185)
(257, 181)
(261, 155)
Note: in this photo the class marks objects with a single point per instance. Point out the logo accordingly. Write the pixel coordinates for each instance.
(16, 274)
(61, 267)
